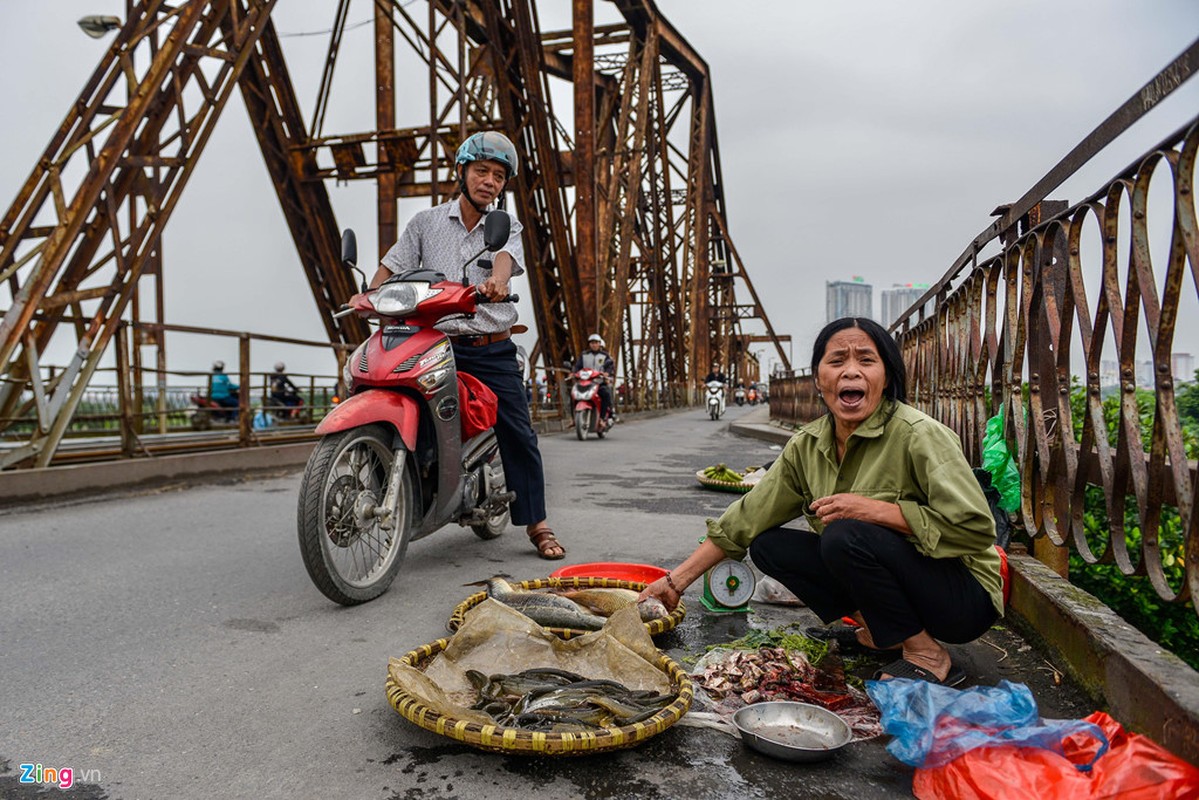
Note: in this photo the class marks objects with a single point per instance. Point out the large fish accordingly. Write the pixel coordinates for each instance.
(549, 610)
(607, 602)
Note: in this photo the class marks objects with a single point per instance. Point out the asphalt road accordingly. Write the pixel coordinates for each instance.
(170, 644)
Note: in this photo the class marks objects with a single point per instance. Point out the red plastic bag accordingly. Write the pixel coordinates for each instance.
(1134, 768)
(476, 405)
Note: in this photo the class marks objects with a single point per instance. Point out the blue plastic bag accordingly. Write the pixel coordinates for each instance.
(933, 724)
(263, 419)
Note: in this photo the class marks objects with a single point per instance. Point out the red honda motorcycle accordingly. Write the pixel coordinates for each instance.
(585, 394)
(411, 449)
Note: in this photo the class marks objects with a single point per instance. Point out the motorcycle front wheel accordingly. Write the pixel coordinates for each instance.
(582, 423)
(714, 411)
(348, 553)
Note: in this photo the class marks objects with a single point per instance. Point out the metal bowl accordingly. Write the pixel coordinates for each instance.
(792, 731)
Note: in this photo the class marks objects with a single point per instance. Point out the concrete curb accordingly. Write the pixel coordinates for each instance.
(34, 485)
(1148, 689)
(39, 485)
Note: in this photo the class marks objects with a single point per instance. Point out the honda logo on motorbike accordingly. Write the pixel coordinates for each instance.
(447, 409)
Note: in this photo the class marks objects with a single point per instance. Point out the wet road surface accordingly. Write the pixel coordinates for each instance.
(170, 644)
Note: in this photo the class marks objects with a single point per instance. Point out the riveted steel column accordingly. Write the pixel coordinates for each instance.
(385, 120)
(583, 16)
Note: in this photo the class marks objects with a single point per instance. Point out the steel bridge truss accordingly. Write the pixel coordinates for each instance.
(640, 250)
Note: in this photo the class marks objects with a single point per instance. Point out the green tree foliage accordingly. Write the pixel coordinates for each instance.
(1175, 626)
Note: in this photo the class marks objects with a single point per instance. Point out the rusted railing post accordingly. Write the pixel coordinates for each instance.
(244, 412)
(124, 393)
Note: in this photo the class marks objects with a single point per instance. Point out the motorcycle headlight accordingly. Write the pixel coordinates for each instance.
(398, 299)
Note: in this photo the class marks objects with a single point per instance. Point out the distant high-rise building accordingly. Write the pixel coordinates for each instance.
(1182, 365)
(1109, 373)
(898, 299)
(849, 299)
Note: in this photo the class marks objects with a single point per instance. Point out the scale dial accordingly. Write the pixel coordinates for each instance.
(731, 583)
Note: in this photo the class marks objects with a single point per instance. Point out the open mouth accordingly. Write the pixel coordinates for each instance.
(851, 397)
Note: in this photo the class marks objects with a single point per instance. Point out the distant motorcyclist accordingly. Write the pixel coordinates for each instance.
(597, 358)
(716, 375)
(283, 391)
(222, 391)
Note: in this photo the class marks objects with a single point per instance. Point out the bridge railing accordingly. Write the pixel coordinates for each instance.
(1053, 333)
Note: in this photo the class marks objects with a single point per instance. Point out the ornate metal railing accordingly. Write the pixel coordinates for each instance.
(1050, 331)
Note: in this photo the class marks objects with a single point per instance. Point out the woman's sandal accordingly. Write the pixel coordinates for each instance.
(847, 640)
(902, 668)
(545, 542)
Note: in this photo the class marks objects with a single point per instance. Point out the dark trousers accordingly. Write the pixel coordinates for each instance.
(605, 400)
(495, 365)
(858, 566)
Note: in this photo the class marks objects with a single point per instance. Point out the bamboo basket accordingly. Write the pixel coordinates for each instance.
(654, 627)
(721, 486)
(516, 741)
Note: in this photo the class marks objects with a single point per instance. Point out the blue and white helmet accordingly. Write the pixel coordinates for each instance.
(489, 146)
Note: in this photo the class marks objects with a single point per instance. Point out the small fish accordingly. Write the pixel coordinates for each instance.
(576, 705)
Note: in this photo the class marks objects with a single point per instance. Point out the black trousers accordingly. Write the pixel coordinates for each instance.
(495, 365)
(858, 566)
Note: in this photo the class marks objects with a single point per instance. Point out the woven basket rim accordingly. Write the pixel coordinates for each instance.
(517, 741)
(723, 486)
(654, 627)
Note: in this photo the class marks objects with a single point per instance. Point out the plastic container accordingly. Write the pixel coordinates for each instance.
(640, 573)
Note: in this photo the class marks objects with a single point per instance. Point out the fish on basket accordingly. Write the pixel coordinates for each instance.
(554, 700)
(549, 610)
(583, 609)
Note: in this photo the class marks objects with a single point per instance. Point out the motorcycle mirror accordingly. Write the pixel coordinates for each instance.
(349, 254)
(496, 228)
(349, 248)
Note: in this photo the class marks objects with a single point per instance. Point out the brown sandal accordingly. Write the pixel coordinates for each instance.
(545, 542)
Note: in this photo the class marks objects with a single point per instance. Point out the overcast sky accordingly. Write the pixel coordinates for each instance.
(870, 138)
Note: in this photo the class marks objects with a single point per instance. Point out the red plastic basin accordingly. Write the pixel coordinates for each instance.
(641, 573)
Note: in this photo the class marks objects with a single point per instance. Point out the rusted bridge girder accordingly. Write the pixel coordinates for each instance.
(659, 277)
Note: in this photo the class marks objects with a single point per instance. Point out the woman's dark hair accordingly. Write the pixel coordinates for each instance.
(888, 351)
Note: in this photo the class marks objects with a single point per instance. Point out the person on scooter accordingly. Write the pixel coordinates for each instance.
(439, 238)
(223, 392)
(283, 392)
(598, 359)
(716, 375)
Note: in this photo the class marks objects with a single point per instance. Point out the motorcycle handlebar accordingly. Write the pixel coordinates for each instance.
(481, 299)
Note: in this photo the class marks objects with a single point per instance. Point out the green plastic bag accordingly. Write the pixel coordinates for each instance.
(998, 461)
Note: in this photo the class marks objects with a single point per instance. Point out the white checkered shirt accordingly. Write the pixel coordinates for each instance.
(437, 239)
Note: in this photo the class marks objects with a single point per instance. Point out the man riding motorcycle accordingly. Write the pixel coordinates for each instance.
(597, 358)
(284, 393)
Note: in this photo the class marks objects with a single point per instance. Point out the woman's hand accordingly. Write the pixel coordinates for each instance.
(847, 505)
(662, 591)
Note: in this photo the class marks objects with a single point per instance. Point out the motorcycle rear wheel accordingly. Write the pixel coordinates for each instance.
(497, 523)
(350, 557)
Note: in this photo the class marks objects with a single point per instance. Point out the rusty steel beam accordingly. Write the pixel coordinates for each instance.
(158, 127)
(629, 252)
(279, 126)
(583, 162)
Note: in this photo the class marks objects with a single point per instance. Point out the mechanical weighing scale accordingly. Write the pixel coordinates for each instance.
(728, 586)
